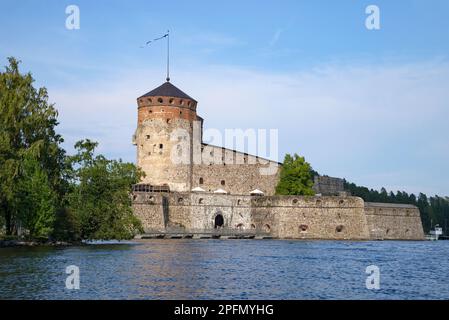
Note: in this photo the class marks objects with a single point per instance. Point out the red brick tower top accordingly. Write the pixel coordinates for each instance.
(167, 102)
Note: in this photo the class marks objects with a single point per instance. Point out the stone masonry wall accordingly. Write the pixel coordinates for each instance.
(316, 217)
(393, 221)
(285, 217)
(235, 172)
(148, 208)
(156, 140)
(328, 186)
(279, 216)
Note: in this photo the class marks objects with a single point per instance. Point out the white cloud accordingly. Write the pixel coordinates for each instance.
(358, 122)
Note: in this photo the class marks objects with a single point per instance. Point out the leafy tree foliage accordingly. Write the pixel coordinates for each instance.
(100, 194)
(295, 177)
(30, 153)
(44, 191)
(37, 202)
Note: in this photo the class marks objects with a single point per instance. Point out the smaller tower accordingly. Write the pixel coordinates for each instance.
(164, 134)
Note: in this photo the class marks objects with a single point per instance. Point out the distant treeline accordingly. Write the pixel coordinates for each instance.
(434, 210)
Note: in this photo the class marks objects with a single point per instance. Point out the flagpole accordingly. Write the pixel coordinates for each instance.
(167, 35)
(168, 55)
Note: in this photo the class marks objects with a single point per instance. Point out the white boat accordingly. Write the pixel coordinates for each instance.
(435, 233)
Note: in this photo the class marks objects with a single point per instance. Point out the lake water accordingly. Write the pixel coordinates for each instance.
(229, 269)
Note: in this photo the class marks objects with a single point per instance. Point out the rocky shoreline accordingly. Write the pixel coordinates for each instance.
(31, 243)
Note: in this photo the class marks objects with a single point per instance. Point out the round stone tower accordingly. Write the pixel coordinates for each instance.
(165, 135)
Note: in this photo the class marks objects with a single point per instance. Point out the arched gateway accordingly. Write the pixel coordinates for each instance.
(219, 221)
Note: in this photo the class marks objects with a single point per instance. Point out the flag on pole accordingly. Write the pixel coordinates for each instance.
(150, 41)
(167, 35)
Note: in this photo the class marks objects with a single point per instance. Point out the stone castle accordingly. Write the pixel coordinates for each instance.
(194, 189)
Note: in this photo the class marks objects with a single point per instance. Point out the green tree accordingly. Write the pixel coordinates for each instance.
(383, 194)
(100, 194)
(2, 225)
(425, 210)
(38, 202)
(27, 131)
(295, 177)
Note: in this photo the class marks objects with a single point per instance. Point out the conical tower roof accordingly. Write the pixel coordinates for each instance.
(167, 90)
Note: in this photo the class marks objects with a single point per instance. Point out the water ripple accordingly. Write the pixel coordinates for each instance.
(232, 269)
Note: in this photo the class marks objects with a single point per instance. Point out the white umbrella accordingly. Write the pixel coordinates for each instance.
(256, 192)
(220, 191)
(198, 189)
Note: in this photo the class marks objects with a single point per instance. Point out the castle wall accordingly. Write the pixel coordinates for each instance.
(235, 172)
(282, 217)
(315, 217)
(147, 207)
(191, 212)
(328, 186)
(393, 221)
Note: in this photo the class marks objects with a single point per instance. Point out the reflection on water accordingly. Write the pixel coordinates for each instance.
(228, 269)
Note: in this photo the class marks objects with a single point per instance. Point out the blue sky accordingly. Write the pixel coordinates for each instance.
(370, 106)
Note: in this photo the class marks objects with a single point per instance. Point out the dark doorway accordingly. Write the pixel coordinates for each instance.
(219, 221)
(165, 211)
